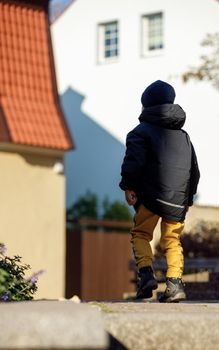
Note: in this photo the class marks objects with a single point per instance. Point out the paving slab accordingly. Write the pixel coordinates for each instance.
(119, 325)
(51, 325)
(154, 326)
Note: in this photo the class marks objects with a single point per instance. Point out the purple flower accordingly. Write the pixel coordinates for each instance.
(34, 278)
(5, 297)
(3, 249)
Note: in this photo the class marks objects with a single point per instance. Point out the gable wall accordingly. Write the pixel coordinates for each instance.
(32, 217)
(112, 91)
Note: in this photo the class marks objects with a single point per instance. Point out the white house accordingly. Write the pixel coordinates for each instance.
(108, 51)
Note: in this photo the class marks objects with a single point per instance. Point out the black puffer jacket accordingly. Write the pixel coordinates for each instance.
(160, 163)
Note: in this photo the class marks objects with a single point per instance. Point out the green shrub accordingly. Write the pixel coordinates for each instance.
(116, 211)
(14, 286)
(85, 206)
(89, 206)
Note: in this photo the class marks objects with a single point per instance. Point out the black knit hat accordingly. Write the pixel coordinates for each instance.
(158, 93)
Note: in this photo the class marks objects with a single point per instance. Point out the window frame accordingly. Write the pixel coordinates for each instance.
(145, 50)
(101, 50)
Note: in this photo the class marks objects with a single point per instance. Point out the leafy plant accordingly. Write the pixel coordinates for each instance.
(202, 240)
(208, 69)
(14, 286)
(116, 211)
(88, 206)
(85, 206)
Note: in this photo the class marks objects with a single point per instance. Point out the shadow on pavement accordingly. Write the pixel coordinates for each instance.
(114, 344)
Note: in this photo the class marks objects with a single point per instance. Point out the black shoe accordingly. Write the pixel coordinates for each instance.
(174, 291)
(146, 284)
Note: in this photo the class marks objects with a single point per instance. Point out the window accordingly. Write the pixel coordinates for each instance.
(108, 41)
(152, 33)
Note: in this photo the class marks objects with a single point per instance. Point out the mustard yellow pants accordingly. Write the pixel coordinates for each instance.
(142, 233)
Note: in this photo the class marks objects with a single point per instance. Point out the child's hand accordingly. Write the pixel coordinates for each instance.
(130, 197)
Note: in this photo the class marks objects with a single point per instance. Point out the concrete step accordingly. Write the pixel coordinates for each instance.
(51, 325)
(145, 325)
(154, 326)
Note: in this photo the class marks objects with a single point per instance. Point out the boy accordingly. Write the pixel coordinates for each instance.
(160, 175)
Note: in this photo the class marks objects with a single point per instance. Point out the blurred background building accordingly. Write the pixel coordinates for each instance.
(106, 53)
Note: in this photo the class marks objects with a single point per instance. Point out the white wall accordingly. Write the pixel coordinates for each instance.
(113, 90)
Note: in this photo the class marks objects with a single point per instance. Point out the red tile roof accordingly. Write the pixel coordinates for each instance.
(29, 107)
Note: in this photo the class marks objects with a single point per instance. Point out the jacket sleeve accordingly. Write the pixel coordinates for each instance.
(134, 162)
(194, 177)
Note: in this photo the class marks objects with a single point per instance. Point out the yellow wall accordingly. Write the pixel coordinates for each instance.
(32, 216)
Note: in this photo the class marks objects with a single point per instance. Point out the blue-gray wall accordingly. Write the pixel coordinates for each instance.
(95, 163)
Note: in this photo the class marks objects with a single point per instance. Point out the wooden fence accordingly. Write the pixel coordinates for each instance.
(97, 259)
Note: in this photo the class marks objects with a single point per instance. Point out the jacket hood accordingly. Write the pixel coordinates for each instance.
(170, 116)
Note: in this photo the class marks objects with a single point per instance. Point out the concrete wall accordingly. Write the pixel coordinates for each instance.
(32, 216)
(112, 90)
